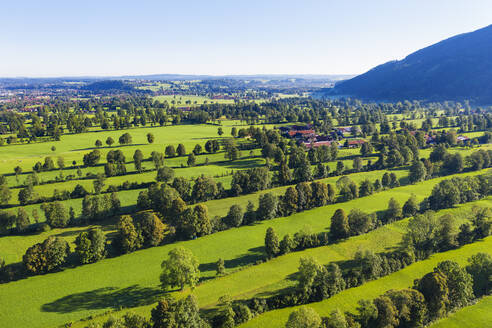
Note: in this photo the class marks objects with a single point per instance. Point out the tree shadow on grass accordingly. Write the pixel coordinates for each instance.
(206, 138)
(102, 298)
(240, 164)
(270, 293)
(112, 147)
(105, 225)
(254, 255)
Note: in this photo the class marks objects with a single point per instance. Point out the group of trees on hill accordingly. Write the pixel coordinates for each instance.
(447, 288)
(142, 229)
(169, 200)
(457, 190)
(425, 235)
(52, 120)
(94, 208)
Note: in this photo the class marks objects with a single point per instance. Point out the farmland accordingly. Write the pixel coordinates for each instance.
(167, 164)
(215, 182)
(142, 267)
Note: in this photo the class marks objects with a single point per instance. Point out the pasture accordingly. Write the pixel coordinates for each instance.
(347, 299)
(132, 280)
(476, 315)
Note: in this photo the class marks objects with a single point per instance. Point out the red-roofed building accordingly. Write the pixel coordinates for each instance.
(294, 133)
(346, 129)
(317, 144)
(355, 143)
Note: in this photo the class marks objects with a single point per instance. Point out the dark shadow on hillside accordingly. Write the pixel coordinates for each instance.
(240, 164)
(102, 298)
(270, 293)
(70, 233)
(112, 147)
(206, 138)
(400, 168)
(104, 226)
(254, 255)
(404, 181)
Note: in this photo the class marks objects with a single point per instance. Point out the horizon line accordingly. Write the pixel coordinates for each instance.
(172, 74)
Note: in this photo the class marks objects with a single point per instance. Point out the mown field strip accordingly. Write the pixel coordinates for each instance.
(474, 316)
(347, 300)
(238, 247)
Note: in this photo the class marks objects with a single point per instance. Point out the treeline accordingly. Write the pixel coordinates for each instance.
(342, 226)
(169, 200)
(436, 294)
(139, 230)
(94, 208)
(457, 190)
(447, 288)
(316, 282)
(441, 163)
(437, 236)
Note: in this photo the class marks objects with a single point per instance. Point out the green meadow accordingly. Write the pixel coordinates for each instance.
(132, 280)
(476, 315)
(73, 146)
(347, 299)
(13, 247)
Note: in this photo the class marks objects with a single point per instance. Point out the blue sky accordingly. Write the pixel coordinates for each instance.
(105, 37)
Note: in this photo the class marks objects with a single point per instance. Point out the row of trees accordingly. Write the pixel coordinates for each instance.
(305, 196)
(317, 282)
(48, 165)
(142, 229)
(438, 235)
(447, 288)
(450, 192)
(427, 233)
(169, 312)
(94, 208)
(342, 226)
(168, 201)
(5, 193)
(116, 159)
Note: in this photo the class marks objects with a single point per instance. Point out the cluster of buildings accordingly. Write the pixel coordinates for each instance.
(432, 139)
(305, 134)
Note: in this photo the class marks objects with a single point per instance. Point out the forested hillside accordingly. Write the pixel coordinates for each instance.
(454, 69)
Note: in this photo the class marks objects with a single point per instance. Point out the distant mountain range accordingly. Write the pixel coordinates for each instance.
(157, 77)
(458, 68)
(174, 77)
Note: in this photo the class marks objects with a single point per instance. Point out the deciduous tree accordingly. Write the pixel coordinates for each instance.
(179, 269)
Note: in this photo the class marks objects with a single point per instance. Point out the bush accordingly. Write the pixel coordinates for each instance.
(47, 256)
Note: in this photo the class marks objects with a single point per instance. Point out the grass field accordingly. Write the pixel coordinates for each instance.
(128, 200)
(473, 316)
(347, 299)
(270, 277)
(132, 280)
(73, 146)
(181, 100)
